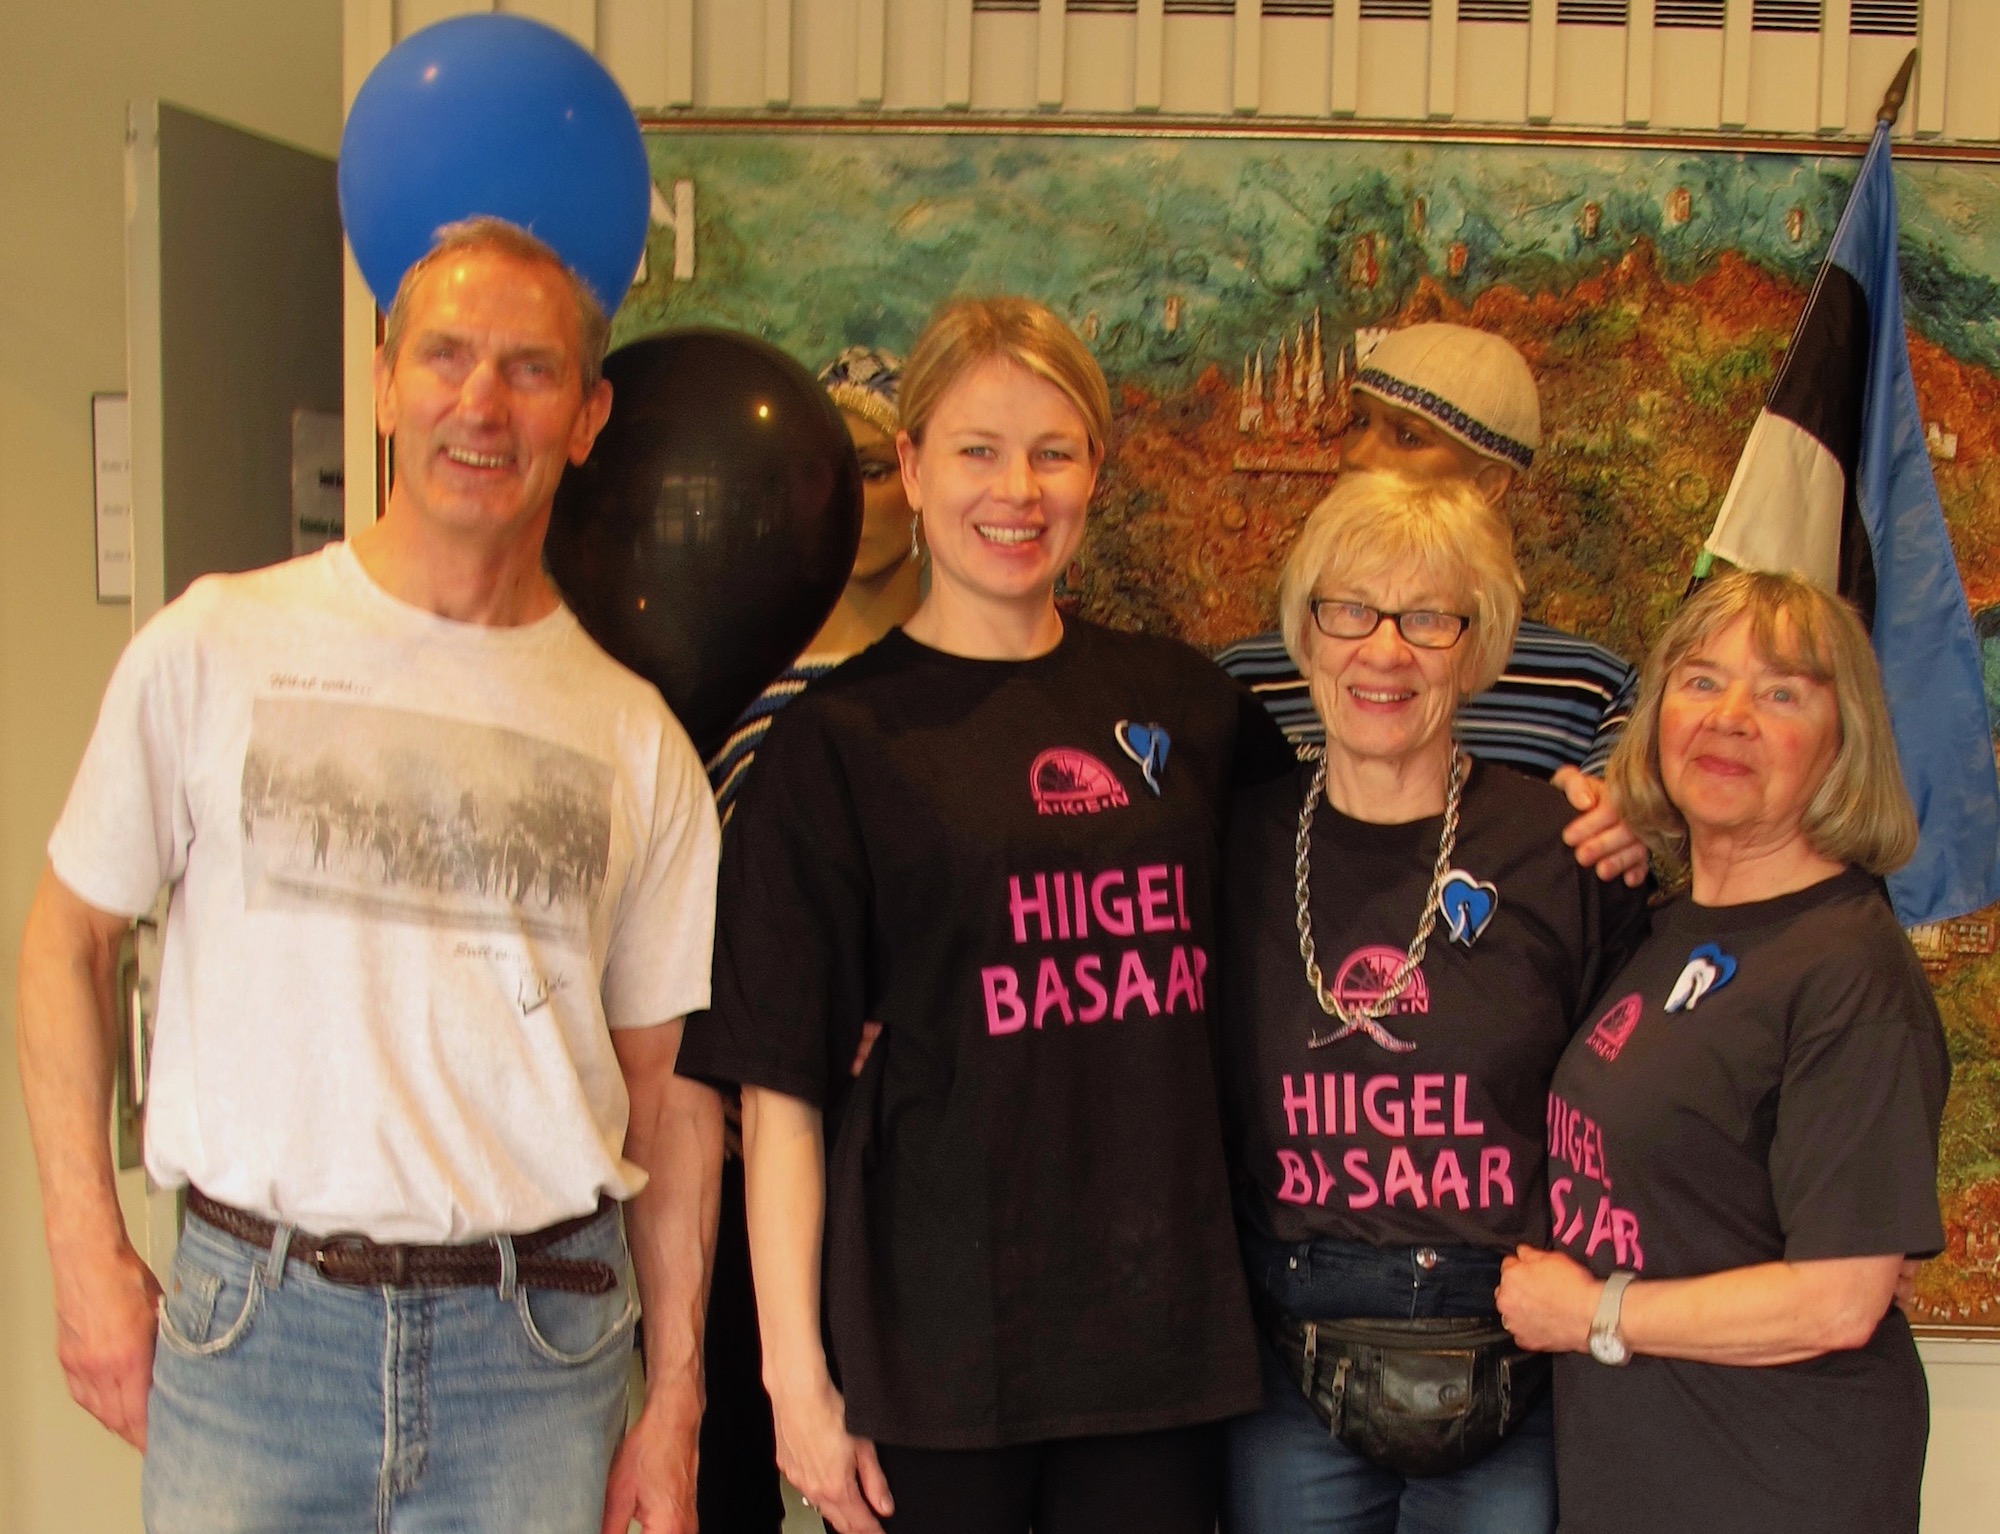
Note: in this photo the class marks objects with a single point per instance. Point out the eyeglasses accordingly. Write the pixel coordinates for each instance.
(1357, 620)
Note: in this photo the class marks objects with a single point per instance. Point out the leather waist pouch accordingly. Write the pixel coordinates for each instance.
(1420, 1397)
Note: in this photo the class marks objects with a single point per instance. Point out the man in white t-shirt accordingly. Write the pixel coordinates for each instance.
(440, 880)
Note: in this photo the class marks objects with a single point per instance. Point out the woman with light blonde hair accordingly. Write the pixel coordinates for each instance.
(1408, 949)
(1743, 1147)
(996, 1274)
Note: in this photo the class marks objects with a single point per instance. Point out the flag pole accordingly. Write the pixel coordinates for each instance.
(1891, 109)
(1899, 89)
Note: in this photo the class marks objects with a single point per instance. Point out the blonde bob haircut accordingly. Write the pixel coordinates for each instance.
(1439, 533)
(1860, 813)
(969, 331)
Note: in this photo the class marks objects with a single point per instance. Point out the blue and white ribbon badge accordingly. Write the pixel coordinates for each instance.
(1467, 905)
(1146, 744)
(1708, 969)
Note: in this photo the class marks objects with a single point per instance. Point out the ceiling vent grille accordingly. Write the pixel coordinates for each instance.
(1785, 16)
(1689, 13)
(1884, 18)
(1590, 13)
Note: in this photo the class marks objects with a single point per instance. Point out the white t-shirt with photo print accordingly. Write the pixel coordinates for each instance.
(418, 870)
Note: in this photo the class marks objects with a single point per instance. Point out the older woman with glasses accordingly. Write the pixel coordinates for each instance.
(1743, 1148)
(1408, 949)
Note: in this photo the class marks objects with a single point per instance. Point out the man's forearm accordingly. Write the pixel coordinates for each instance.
(66, 1038)
(676, 1136)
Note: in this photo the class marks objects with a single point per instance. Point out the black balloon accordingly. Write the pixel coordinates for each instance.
(714, 524)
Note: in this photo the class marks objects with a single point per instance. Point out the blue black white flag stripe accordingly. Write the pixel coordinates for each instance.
(1839, 442)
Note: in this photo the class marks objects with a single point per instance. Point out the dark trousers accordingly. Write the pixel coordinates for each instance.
(1167, 1482)
(736, 1490)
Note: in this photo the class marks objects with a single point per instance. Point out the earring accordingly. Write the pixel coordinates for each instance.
(916, 536)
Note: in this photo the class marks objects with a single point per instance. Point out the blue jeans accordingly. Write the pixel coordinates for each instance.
(285, 1403)
(1286, 1474)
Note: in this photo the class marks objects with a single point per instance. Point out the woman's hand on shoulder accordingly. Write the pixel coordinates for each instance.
(836, 1473)
(1598, 835)
(1547, 1300)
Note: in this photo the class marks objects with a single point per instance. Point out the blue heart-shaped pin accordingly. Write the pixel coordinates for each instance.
(1467, 904)
(1708, 969)
(1146, 744)
(1725, 966)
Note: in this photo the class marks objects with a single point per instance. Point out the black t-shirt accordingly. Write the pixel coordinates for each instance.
(1443, 1143)
(1010, 865)
(1763, 1083)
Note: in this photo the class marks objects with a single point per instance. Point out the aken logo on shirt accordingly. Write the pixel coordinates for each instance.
(1616, 1026)
(1066, 781)
(1365, 974)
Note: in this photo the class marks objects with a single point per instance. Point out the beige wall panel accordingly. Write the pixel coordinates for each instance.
(576, 17)
(1003, 60)
(1590, 76)
(729, 55)
(1784, 82)
(915, 55)
(1492, 73)
(1961, 1472)
(1297, 77)
(1196, 54)
(634, 42)
(823, 54)
(1100, 56)
(1872, 63)
(1395, 69)
(1687, 78)
(415, 15)
(1972, 90)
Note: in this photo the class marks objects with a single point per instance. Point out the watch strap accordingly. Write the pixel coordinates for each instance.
(1605, 1336)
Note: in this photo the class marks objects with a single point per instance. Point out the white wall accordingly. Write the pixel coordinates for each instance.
(67, 68)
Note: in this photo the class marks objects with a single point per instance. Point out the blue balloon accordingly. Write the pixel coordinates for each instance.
(494, 115)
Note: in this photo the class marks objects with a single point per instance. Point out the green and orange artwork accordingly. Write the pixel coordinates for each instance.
(1225, 283)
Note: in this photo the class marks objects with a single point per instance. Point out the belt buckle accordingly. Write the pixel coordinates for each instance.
(344, 1260)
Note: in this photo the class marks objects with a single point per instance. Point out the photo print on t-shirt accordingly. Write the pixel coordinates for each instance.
(415, 818)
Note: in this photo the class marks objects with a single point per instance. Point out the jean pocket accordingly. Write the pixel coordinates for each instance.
(204, 1311)
(570, 1328)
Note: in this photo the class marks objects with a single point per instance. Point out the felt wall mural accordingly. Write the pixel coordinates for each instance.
(1223, 282)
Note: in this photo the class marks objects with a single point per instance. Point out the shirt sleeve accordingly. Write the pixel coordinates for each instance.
(792, 923)
(1612, 725)
(1617, 919)
(1854, 1156)
(658, 964)
(1263, 752)
(125, 829)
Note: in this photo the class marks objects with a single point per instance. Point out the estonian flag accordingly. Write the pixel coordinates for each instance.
(1840, 443)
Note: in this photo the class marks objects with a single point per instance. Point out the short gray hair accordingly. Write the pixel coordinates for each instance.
(488, 233)
(1381, 524)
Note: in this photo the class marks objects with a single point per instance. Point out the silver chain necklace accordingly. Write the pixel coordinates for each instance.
(1366, 1017)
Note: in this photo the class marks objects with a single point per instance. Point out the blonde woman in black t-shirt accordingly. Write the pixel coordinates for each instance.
(1408, 949)
(996, 1272)
(1743, 1148)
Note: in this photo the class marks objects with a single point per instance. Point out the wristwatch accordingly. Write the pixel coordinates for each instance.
(1607, 1343)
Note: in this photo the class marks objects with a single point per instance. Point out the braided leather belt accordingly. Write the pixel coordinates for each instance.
(363, 1263)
